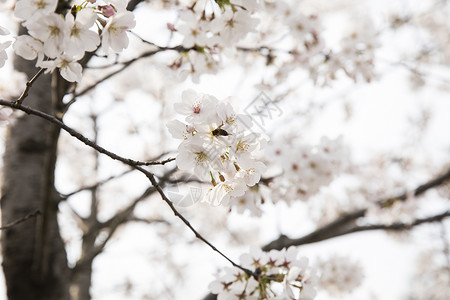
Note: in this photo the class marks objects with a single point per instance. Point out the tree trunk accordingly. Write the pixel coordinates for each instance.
(34, 257)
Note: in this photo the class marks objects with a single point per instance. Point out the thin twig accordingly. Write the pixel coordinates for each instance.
(27, 217)
(28, 86)
(130, 162)
(155, 162)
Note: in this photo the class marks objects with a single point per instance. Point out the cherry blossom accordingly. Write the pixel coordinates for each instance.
(52, 30)
(28, 47)
(277, 274)
(233, 26)
(31, 10)
(194, 31)
(339, 275)
(216, 146)
(80, 39)
(3, 55)
(114, 34)
(306, 168)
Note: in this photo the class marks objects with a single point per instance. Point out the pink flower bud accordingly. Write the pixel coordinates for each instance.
(107, 10)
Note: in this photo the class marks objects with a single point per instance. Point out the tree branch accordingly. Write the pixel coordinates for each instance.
(345, 223)
(131, 163)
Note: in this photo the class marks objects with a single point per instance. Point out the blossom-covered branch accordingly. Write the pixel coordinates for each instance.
(130, 162)
(345, 224)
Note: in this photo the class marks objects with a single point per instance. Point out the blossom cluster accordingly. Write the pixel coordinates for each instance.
(217, 145)
(339, 275)
(59, 41)
(276, 275)
(207, 27)
(307, 168)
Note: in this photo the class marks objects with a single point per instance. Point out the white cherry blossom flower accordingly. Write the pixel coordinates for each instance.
(119, 5)
(80, 38)
(195, 106)
(52, 30)
(31, 10)
(201, 63)
(114, 34)
(251, 171)
(69, 68)
(3, 55)
(195, 157)
(28, 47)
(180, 130)
(192, 29)
(233, 26)
(223, 191)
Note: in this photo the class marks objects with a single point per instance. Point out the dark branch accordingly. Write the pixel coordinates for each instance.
(345, 224)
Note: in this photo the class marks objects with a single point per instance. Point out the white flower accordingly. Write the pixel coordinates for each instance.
(180, 130)
(298, 284)
(114, 34)
(192, 29)
(201, 63)
(251, 171)
(52, 30)
(223, 191)
(3, 55)
(119, 5)
(34, 9)
(28, 47)
(197, 107)
(69, 68)
(233, 26)
(244, 145)
(251, 201)
(339, 275)
(195, 157)
(80, 38)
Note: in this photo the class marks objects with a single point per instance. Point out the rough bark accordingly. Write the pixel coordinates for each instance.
(34, 257)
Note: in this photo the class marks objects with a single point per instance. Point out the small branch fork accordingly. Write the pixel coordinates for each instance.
(132, 163)
(29, 84)
(21, 220)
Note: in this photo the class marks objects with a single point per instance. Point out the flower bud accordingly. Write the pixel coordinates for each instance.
(107, 10)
